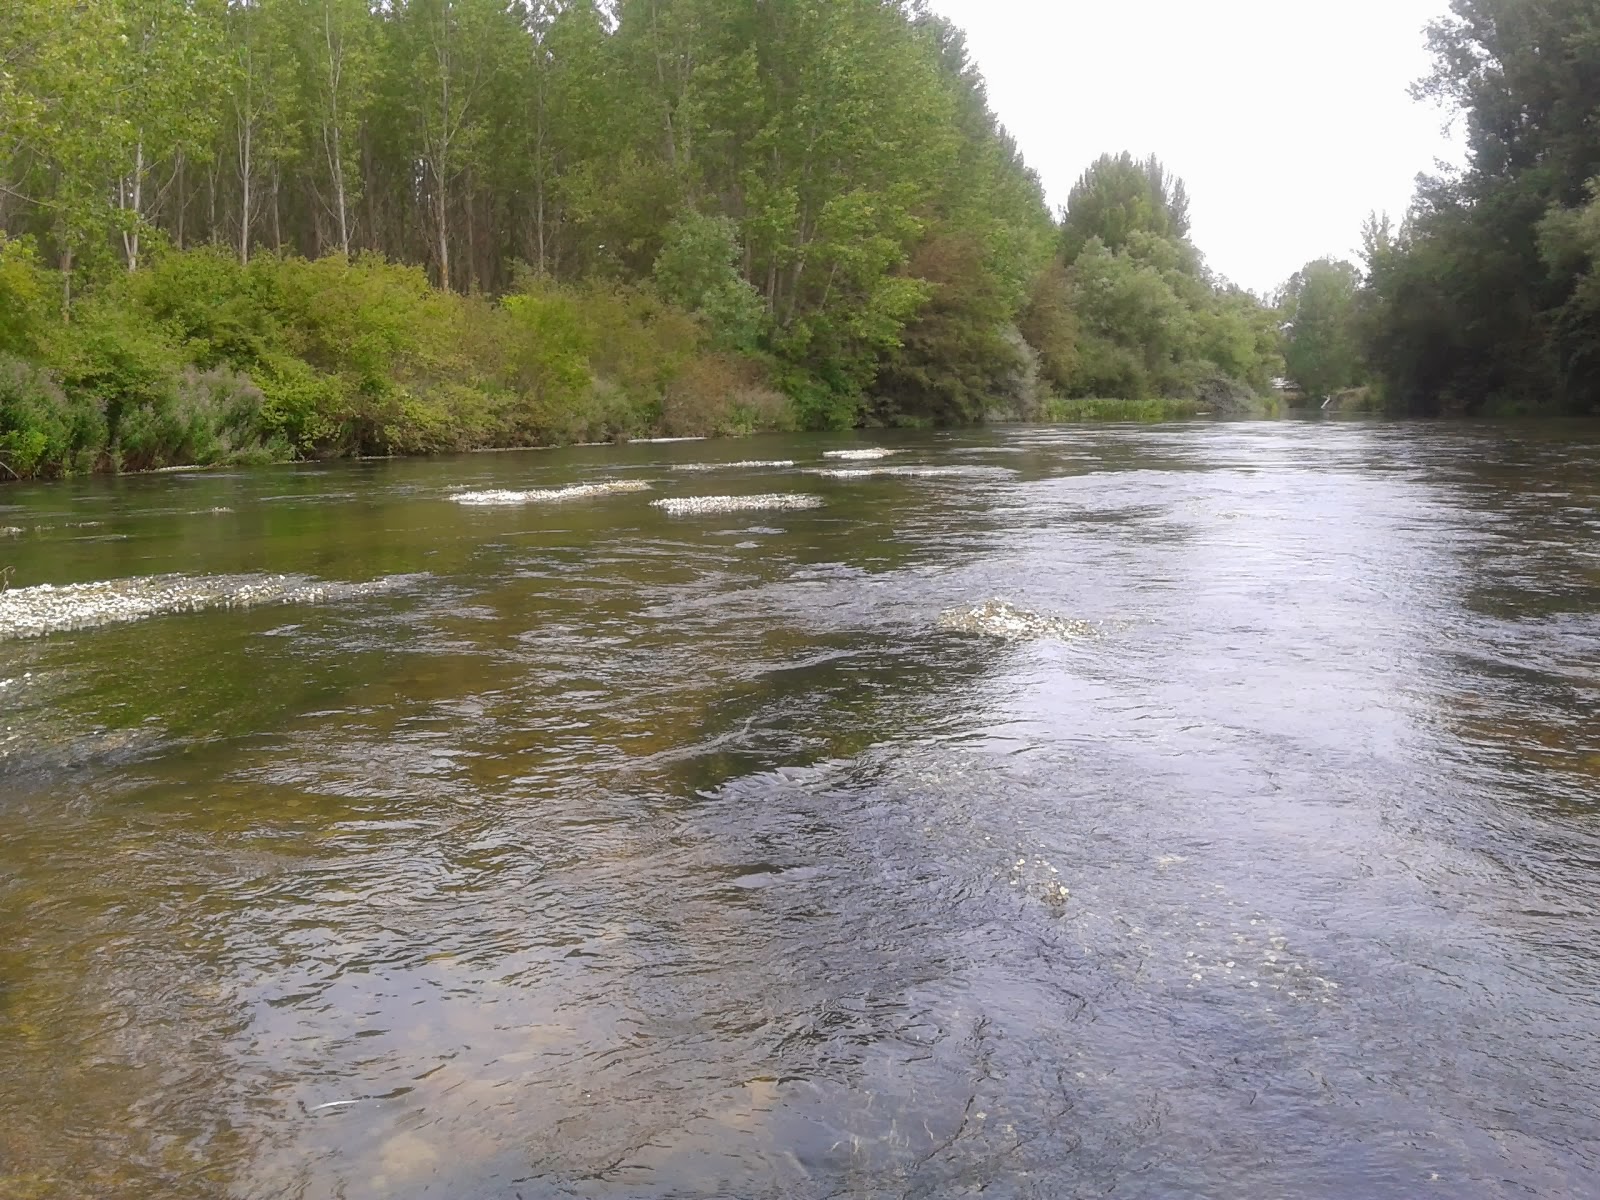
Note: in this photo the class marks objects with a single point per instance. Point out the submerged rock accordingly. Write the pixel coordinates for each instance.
(578, 491)
(46, 609)
(998, 619)
(691, 505)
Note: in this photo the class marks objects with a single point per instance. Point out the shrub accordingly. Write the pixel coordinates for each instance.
(25, 304)
(207, 304)
(43, 430)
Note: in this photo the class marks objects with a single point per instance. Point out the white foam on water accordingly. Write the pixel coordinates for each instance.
(11, 531)
(692, 505)
(664, 441)
(752, 465)
(902, 472)
(39, 611)
(496, 498)
(860, 455)
(999, 619)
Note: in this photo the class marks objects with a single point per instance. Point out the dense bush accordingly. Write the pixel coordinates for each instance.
(44, 431)
(197, 359)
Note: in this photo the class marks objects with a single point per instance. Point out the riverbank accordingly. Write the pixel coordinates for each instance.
(197, 360)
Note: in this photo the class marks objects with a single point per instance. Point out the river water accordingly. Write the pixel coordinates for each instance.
(604, 852)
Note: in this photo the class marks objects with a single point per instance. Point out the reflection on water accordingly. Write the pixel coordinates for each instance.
(626, 855)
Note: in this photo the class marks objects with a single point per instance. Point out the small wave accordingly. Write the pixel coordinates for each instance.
(46, 609)
(998, 619)
(733, 466)
(579, 491)
(11, 531)
(860, 455)
(691, 505)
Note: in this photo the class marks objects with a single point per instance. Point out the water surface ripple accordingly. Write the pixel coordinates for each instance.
(622, 854)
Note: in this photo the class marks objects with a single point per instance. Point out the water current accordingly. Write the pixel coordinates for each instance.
(1205, 810)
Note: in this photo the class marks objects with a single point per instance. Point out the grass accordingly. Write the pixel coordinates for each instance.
(1146, 411)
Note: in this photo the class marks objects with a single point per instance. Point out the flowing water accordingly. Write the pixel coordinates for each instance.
(1204, 810)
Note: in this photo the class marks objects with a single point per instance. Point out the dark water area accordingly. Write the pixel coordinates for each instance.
(616, 854)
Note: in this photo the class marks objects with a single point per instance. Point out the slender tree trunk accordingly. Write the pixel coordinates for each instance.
(539, 222)
(339, 196)
(133, 200)
(661, 79)
(66, 286)
(246, 170)
(211, 203)
(332, 135)
(183, 196)
(472, 242)
(441, 219)
(277, 226)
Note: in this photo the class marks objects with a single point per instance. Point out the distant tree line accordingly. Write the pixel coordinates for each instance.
(430, 224)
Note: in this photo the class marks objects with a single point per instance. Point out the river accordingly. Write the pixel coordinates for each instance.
(606, 852)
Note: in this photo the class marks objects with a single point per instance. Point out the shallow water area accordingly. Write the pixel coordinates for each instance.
(1193, 810)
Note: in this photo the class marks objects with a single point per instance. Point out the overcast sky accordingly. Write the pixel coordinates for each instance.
(1289, 119)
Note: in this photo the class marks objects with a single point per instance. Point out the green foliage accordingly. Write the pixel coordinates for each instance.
(1322, 352)
(698, 269)
(1050, 326)
(325, 227)
(1481, 303)
(25, 295)
(1136, 330)
(1118, 197)
(955, 361)
(1144, 411)
(43, 430)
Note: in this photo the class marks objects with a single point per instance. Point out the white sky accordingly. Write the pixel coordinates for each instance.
(1289, 119)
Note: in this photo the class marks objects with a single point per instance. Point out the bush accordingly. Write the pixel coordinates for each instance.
(25, 299)
(207, 304)
(721, 395)
(44, 431)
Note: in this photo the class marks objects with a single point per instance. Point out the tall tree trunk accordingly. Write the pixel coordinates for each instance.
(246, 170)
(66, 286)
(277, 225)
(133, 199)
(332, 135)
(441, 219)
(211, 203)
(183, 196)
(539, 221)
(661, 80)
(472, 242)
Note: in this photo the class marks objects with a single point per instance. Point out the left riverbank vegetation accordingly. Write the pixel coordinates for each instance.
(266, 229)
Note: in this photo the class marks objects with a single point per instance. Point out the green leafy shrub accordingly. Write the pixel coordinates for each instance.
(44, 431)
(25, 298)
(207, 304)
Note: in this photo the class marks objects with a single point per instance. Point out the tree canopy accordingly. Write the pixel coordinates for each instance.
(1483, 300)
(815, 194)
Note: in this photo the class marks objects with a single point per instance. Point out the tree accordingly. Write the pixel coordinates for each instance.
(166, 59)
(1119, 196)
(1322, 351)
(1473, 306)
